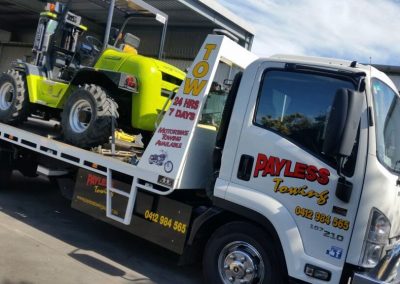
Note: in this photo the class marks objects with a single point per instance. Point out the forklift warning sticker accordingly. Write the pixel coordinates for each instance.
(274, 166)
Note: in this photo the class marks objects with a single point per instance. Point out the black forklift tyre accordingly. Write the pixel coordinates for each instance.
(14, 99)
(239, 252)
(87, 117)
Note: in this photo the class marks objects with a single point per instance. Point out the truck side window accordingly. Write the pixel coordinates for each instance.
(213, 108)
(296, 105)
(387, 117)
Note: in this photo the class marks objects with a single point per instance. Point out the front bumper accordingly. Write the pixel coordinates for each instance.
(385, 272)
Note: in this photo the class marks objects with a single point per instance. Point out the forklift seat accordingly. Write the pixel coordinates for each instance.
(60, 59)
(130, 44)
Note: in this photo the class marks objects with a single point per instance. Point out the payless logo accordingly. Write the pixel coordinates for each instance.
(274, 166)
(322, 197)
(94, 180)
(98, 184)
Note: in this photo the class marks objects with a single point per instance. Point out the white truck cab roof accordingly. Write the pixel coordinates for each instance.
(334, 63)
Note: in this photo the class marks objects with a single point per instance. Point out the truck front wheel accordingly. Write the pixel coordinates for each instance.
(14, 98)
(239, 252)
(88, 116)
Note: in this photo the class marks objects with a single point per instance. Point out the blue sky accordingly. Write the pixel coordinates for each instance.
(348, 29)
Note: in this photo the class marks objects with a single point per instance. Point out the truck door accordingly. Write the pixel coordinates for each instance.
(279, 160)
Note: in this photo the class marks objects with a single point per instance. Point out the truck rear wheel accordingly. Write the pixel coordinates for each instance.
(88, 116)
(5, 177)
(241, 253)
(14, 98)
(6, 169)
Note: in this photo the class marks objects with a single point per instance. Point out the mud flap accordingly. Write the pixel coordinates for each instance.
(155, 218)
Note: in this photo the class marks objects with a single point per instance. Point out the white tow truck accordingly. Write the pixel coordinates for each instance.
(290, 176)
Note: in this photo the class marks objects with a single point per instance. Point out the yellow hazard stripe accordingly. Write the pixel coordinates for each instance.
(49, 14)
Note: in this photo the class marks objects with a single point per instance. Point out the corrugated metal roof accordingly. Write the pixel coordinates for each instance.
(225, 13)
(21, 14)
(189, 22)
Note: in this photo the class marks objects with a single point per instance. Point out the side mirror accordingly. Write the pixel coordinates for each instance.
(341, 132)
(343, 122)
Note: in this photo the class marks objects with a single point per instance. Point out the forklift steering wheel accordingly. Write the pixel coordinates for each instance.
(95, 43)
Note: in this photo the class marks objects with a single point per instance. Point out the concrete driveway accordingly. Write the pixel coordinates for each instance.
(43, 240)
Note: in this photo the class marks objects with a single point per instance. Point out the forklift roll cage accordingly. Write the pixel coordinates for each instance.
(134, 9)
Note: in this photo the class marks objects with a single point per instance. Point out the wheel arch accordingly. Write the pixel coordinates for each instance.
(109, 81)
(273, 215)
(274, 220)
(225, 212)
(105, 79)
(27, 69)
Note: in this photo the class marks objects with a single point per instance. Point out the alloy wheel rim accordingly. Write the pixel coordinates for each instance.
(6, 91)
(74, 118)
(240, 263)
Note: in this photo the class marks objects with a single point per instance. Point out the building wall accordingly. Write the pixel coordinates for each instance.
(396, 80)
(10, 52)
(392, 71)
(181, 44)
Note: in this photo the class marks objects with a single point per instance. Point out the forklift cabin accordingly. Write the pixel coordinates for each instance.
(57, 49)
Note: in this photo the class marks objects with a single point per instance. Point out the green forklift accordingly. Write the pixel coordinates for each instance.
(88, 84)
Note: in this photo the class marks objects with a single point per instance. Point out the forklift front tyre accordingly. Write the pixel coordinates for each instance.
(88, 117)
(14, 98)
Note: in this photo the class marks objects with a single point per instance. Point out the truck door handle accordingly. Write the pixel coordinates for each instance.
(245, 167)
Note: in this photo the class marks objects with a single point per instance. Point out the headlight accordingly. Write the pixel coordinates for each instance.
(376, 238)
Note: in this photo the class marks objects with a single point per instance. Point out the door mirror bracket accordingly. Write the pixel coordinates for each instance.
(344, 188)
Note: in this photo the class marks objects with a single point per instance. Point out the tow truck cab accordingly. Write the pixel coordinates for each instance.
(332, 200)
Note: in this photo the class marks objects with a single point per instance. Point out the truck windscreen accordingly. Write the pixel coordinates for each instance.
(387, 117)
(296, 106)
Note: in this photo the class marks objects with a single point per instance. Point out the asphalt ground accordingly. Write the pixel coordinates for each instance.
(43, 240)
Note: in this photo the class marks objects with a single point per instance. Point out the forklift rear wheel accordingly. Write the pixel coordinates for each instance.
(239, 252)
(14, 98)
(88, 116)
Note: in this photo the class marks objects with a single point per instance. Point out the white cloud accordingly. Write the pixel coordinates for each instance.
(349, 29)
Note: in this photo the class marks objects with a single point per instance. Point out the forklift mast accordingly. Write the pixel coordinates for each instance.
(56, 37)
(57, 34)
